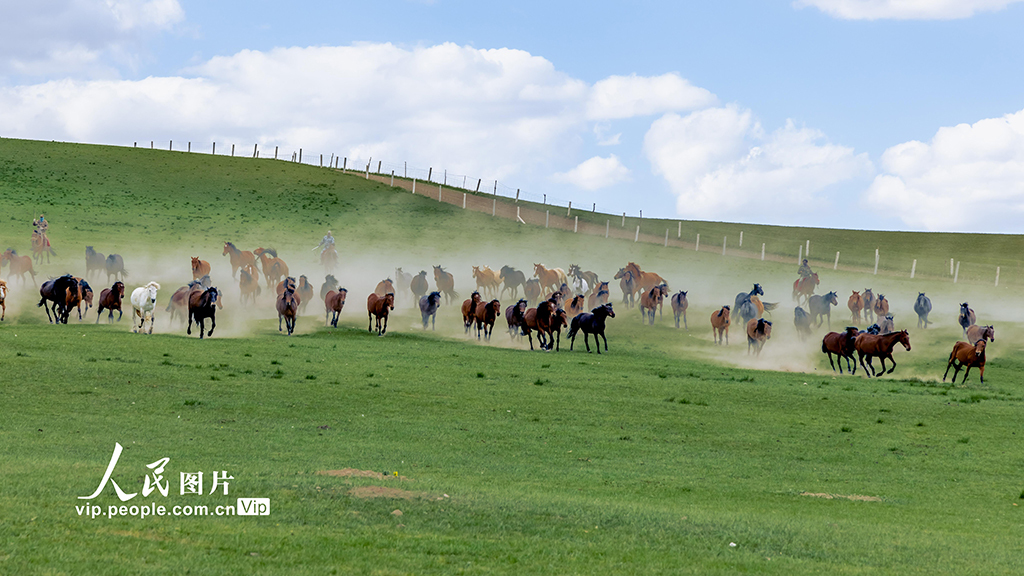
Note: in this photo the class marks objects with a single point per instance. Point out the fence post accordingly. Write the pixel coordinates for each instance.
(232, 150)
(275, 152)
(997, 275)
(800, 256)
(696, 247)
(430, 172)
(950, 266)
(607, 225)
(150, 144)
(637, 237)
(762, 251)
(379, 162)
(876, 261)
(666, 237)
(170, 145)
(913, 269)
(405, 169)
(494, 207)
(367, 168)
(518, 217)
(413, 185)
(593, 208)
(445, 177)
(189, 145)
(255, 147)
(344, 164)
(495, 187)
(438, 192)
(623, 219)
(392, 178)
(956, 275)
(135, 144)
(322, 165)
(741, 238)
(836, 265)
(679, 234)
(300, 153)
(545, 199)
(724, 239)
(807, 250)
(568, 212)
(478, 184)
(576, 225)
(517, 195)
(463, 200)
(547, 217)
(214, 148)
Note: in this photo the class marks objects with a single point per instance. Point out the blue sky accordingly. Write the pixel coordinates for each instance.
(889, 114)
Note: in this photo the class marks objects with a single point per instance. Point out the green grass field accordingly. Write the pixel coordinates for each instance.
(655, 457)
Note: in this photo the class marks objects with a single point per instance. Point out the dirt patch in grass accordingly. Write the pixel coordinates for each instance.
(385, 492)
(354, 473)
(856, 497)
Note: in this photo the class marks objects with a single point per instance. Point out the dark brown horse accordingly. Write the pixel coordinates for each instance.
(868, 299)
(842, 345)
(178, 304)
(469, 310)
(968, 355)
(111, 299)
(239, 258)
(445, 284)
(202, 304)
(879, 346)
(287, 308)
(679, 306)
(532, 290)
(20, 265)
(559, 320)
(86, 296)
(334, 302)
(378, 307)
(538, 319)
(249, 283)
(485, 316)
(514, 318)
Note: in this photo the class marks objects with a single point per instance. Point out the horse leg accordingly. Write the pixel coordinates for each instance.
(685, 327)
(966, 372)
(369, 324)
(860, 358)
(190, 316)
(279, 322)
(833, 365)
(433, 321)
(99, 312)
(384, 329)
(891, 359)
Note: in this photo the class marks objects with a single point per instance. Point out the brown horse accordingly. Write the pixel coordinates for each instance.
(445, 284)
(334, 302)
(248, 283)
(880, 307)
(418, 285)
(856, 305)
(3, 299)
(532, 290)
(286, 284)
(469, 310)
(577, 305)
(599, 297)
(287, 308)
(58, 291)
(40, 246)
(975, 333)
(111, 299)
(487, 280)
(378, 307)
(385, 286)
(644, 281)
(538, 319)
(559, 320)
(514, 318)
(179, 300)
(329, 259)
(759, 331)
(968, 355)
(485, 316)
(202, 304)
(804, 287)
(239, 258)
(304, 292)
(200, 268)
(551, 278)
(868, 298)
(842, 345)
(679, 306)
(273, 267)
(880, 346)
(87, 295)
(649, 302)
(20, 265)
(720, 325)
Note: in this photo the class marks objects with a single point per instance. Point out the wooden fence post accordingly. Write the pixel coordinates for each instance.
(255, 148)
(913, 269)
(679, 233)
(430, 172)
(379, 162)
(518, 217)
(413, 185)
(666, 237)
(568, 212)
(607, 225)
(950, 266)
(876, 261)
(637, 237)
(800, 256)
(495, 187)
(762, 252)
(300, 154)
(517, 195)
(807, 250)
(445, 177)
(322, 165)
(494, 207)
(189, 145)
(741, 238)
(724, 239)
(275, 152)
(392, 178)
(836, 265)
(956, 275)
(696, 247)
(438, 192)
(997, 275)
(463, 200)
(478, 184)
(150, 144)
(576, 225)
(547, 217)
(214, 148)
(623, 219)
(593, 209)
(232, 150)
(344, 164)
(170, 145)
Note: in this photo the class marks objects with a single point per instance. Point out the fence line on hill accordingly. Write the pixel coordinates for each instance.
(480, 195)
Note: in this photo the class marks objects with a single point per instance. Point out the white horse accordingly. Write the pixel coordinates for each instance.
(580, 285)
(143, 304)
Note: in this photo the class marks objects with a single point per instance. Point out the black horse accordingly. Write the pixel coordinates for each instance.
(202, 305)
(512, 279)
(591, 323)
(428, 308)
(56, 291)
(744, 307)
(923, 306)
(822, 306)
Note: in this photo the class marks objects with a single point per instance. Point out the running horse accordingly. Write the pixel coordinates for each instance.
(745, 305)
(966, 319)
(538, 319)
(856, 304)
(114, 266)
(378, 307)
(879, 346)
(239, 258)
(577, 305)
(304, 292)
(679, 306)
(720, 325)
(487, 280)
(287, 309)
(514, 318)
(842, 345)
(445, 284)
(627, 283)
(649, 302)
(41, 245)
(822, 306)
(273, 267)
(334, 301)
(969, 355)
(532, 290)
(975, 333)
(868, 299)
(512, 279)
(418, 285)
(64, 293)
(469, 310)
(143, 306)
(202, 304)
(599, 297)
(803, 288)
(20, 265)
(200, 268)
(592, 322)
(486, 315)
(249, 283)
(329, 259)
(550, 278)
(644, 281)
(111, 299)
(94, 261)
(759, 331)
(922, 306)
(428, 309)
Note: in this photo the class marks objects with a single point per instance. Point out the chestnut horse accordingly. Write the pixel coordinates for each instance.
(239, 258)
(842, 345)
(968, 355)
(649, 302)
(385, 286)
(679, 306)
(378, 307)
(200, 268)
(334, 302)
(445, 284)
(418, 285)
(469, 310)
(20, 265)
(720, 325)
(577, 305)
(804, 287)
(880, 307)
(286, 284)
(249, 283)
(487, 280)
(202, 304)
(304, 292)
(856, 305)
(551, 278)
(644, 281)
(273, 267)
(559, 320)
(599, 297)
(881, 346)
(538, 319)
(532, 290)
(287, 308)
(111, 299)
(759, 331)
(485, 316)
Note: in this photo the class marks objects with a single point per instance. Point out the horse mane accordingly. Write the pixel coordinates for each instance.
(270, 251)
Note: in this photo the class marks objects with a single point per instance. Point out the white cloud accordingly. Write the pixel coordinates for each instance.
(904, 9)
(969, 177)
(629, 96)
(595, 173)
(86, 38)
(721, 164)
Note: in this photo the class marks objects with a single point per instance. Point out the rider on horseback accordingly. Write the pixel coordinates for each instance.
(326, 243)
(805, 270)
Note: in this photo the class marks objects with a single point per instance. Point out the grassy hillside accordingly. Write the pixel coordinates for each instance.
(655, 457)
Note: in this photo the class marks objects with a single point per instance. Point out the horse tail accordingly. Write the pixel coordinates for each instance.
(769, 306)
(124, 272)
(574, 327)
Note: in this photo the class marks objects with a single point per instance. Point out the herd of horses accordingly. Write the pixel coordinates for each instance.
(569, 296)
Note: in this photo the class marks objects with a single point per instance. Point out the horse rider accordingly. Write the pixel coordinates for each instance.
(326, 243)
(805, 270)
(41, 226)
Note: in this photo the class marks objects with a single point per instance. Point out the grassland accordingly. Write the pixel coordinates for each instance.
(654, 457)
